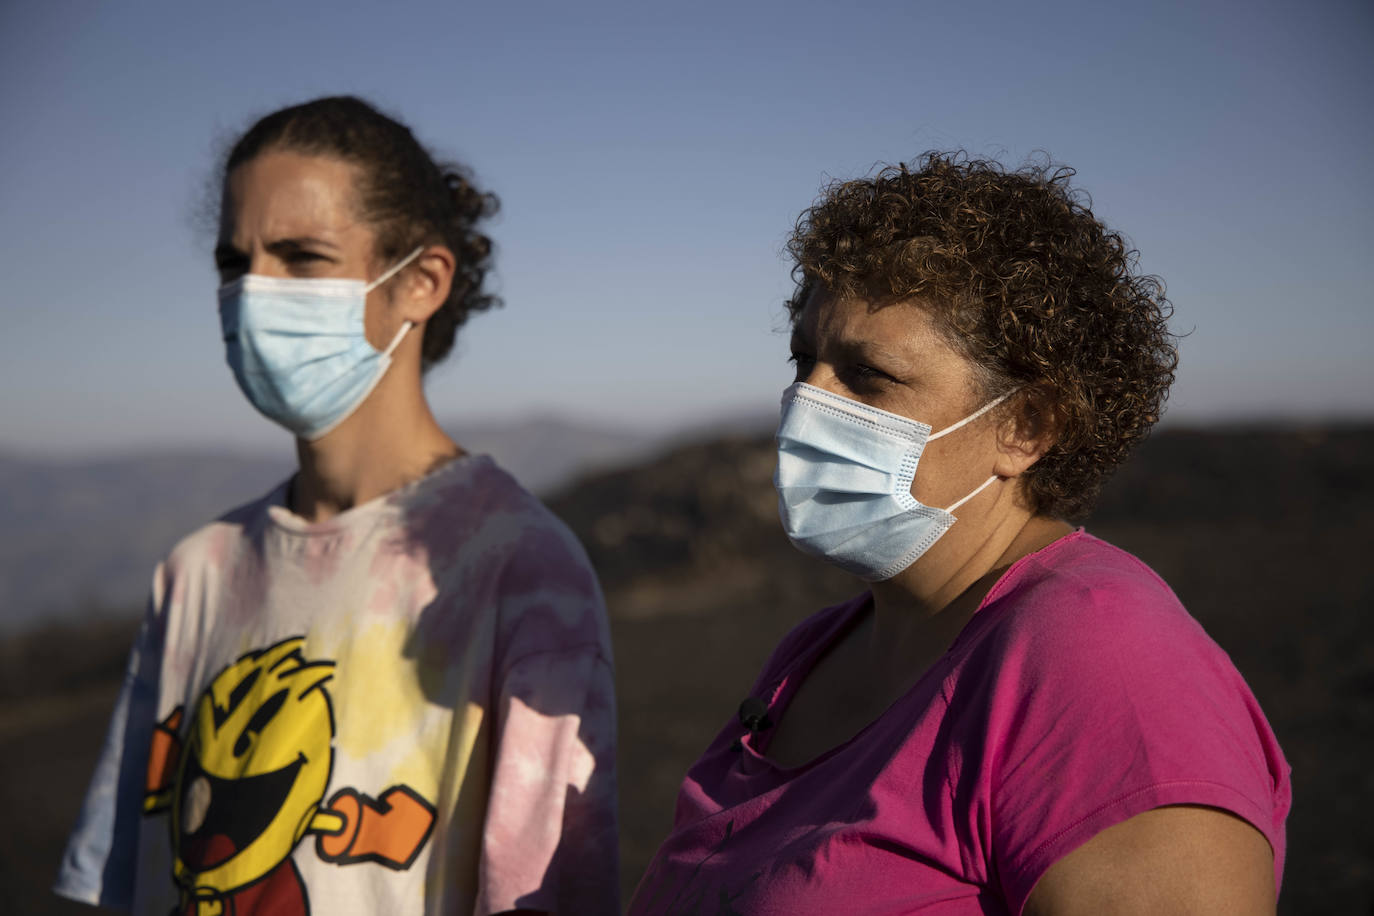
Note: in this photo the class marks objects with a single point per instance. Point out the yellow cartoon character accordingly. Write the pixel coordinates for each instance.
(250, 783)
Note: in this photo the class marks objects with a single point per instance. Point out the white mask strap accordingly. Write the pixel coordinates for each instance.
(985, 484)
(407, 325)
(397, 268)
(396, 341)
(971, 417)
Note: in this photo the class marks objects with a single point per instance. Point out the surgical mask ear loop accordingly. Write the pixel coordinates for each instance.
(981, 487)
(394, 270)
(396, 341)
(406, 325)
(971, 417)
(962, 423)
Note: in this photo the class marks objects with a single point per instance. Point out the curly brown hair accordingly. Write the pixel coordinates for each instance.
(1025, 282)
(405, 195)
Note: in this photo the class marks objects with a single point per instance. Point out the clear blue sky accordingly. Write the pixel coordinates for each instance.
(651, 159)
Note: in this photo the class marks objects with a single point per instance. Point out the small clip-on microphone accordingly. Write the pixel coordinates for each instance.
(753, 715)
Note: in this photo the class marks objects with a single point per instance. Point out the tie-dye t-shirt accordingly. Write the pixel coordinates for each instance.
(407, 708)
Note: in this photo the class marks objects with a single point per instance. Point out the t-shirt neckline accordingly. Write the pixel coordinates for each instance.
(283, 519)
(788, 682)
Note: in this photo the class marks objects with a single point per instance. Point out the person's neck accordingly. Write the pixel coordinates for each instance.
(938, 594)
(390, 441)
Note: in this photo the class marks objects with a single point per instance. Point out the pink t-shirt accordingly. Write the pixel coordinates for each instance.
(1080, 694)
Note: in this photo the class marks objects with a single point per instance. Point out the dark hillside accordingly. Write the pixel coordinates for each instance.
(1264, 536)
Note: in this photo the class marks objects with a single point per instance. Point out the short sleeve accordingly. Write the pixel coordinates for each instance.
(1111, 701)
(550, 839)
(98, 866)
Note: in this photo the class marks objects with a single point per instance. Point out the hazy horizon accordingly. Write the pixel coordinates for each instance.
(272, 442)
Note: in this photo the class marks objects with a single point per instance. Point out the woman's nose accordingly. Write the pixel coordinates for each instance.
(265, 265)
(819, 375)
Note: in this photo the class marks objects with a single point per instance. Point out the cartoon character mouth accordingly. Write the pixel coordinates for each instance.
(220, 817)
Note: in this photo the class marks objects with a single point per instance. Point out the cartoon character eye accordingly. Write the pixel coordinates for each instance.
(270, 707)
(195, 804)
(240, 693)
(236, 698)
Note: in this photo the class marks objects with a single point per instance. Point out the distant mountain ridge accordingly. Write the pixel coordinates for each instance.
(83, 536)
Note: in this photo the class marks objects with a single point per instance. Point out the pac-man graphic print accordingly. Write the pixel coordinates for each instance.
(246, 781)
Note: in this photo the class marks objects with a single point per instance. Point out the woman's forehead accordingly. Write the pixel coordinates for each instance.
(287, 194)
(851, 319)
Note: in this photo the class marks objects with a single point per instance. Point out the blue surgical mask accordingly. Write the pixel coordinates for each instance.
(298, 346)
(844, 482)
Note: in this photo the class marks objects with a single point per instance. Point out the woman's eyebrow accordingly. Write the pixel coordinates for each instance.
(296, 243)
(870, 351)
(227, 251)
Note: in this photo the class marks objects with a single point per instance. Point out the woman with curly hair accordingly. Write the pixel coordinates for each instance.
(385, 686)
(1015, 717)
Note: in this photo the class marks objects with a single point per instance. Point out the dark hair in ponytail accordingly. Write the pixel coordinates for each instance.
(405, 195)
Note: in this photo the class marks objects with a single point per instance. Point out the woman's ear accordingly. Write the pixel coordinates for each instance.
(1028, 429)
(426, 284)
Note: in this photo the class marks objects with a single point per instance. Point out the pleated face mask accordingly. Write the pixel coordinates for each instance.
(298, 348)
(844, 482)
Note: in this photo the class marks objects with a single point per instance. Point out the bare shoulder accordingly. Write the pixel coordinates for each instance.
(1178, 859)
